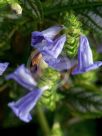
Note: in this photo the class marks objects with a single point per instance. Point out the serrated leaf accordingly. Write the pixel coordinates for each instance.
(84, 103)
(35, 7)
(92, 18)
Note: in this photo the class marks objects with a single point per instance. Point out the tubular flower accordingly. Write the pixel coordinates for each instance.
(23, 76)
(48, 35)
(3, 67)
(85, 58)
(51, 50)
(22, 107)
(47, 44)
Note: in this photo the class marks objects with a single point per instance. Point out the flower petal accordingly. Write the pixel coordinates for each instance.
(52, 31)
(85, 58)
(61, 63)
(22, 107)
(54, 49)
(23, 76)
(3, 67)
(91, 67)
(45, 36)
(37, 37)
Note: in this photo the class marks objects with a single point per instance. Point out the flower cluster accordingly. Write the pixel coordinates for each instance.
(49, 43)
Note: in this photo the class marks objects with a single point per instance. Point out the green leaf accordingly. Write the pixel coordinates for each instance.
(89, 11)
(35, 7)
(84, 103)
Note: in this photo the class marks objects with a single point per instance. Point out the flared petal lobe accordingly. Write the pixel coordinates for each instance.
(3, 67)
(23, 76)
(48, 35)
(85, 58)
(51, 32)
(22, 107)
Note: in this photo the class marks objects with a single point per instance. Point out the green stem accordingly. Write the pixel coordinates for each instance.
(75, 7)
(43, 121)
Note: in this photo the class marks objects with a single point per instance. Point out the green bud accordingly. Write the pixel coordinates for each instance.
(49, 98)
(56, 129)
(73, 31)
(16, 8)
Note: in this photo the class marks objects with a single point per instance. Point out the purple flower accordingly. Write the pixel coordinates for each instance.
(23, 106)
(46, 43)
(3, 67)
(61, 63)
(23, 76)
(48, 35)
(85, 58)
(49, 45)
(53, 50)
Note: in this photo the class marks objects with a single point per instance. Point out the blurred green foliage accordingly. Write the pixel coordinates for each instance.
(79, 96)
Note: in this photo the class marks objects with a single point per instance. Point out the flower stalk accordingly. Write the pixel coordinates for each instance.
(43, 121)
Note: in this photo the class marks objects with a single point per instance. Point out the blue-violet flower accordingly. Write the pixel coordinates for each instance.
(85, 58)
(53, 50)
(23, 76)
(48, 35)
(22, 107)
